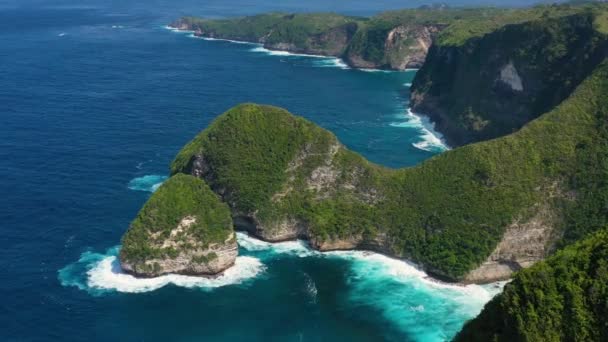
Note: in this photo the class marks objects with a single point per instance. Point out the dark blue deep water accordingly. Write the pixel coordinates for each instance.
(96, 98)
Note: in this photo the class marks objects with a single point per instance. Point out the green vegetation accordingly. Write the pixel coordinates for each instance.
(447, 213)
(564, 298)
(302, 31)
(469, 89)
(180, 197)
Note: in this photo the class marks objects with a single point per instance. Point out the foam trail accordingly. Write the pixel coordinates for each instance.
(148, 183)
(262, 49)
(430, 140)
(176, 30)
(297, 247)
(100, 273)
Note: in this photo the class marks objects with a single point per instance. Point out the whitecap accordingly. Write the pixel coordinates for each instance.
(407, 84)
(264, 50)
(224, 40)
(100, 273)
(424, 308)
(148, 183)
(330, 62)
(176, 30)
(430, 140)
(297, 247)
(61, 34)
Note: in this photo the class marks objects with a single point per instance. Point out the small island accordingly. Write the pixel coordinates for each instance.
(184, 228)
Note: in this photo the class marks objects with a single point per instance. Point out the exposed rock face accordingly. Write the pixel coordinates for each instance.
(510, 77)
(182, 229)
(332, 42)
(193, 257)
(522, 245)
(491, 86)
(405, 47)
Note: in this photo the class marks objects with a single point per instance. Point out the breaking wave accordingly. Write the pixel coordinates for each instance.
(430, 140)
(99, 273)
(148, 183)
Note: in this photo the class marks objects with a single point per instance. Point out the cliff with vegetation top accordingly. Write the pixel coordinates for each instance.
(394, 40)
(184, 228)
(487, 78)
(564, 298)
(473, 214)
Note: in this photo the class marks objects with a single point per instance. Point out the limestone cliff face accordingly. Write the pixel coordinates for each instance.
(182, 229)
(402, 47)
(491, 86)
(191, 258)
(332, 42)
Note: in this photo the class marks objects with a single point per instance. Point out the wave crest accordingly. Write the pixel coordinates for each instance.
(100, 273)
(148, 183)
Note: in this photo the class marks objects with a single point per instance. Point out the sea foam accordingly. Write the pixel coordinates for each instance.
(148, 183)
(430, 140)
(297, 247)
(100, 273)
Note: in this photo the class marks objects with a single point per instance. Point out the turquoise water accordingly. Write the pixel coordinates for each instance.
(97, 97)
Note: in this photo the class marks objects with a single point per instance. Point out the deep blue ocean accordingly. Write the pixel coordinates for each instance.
(96, 97)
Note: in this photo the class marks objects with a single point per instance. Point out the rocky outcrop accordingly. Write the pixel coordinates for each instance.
(492, 85)
(403, 47)
(191, 258)
(332, 42)
(523, 244)
(184, 228)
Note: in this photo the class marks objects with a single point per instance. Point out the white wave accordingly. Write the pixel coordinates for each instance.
(61, 34)
(117, 26)
(264, 50)
(407, 84)
(176, 30)
(311, 288)
(224, 40)
(106, 275)
(396, 268)
(148, 183)
(99, 273)
(430, 140)
(330, 62)
(297, 247)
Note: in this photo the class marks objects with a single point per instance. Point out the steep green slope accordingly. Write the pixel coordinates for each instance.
(284, 177)
(480, 82)
(315, 33)
(564, 298)
(182, 228)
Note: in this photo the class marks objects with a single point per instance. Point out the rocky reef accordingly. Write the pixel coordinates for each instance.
(184, 228)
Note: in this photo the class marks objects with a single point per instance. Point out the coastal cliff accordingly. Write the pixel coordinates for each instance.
(560, 299)
(182, 229)
(483, 87)
(395, 40)
(474, 214)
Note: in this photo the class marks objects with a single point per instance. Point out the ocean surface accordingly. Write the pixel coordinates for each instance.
(96, 97)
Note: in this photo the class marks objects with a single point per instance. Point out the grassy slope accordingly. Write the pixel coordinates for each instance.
(447, 213)
(564, 298)
(180, 196)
